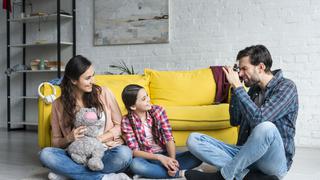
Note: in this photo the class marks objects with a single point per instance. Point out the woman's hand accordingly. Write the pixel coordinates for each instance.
(100, 138)
(170, 163)
(76, 133)
(105, 137)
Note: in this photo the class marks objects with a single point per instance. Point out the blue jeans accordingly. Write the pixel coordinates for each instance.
(57, 160)
(154, 169)
(262, 151)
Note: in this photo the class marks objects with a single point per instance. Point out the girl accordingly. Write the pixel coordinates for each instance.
(147, 132)
(79, 91)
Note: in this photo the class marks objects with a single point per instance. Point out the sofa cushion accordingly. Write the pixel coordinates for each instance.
(116, 83)
(208, 117)
(181, 88)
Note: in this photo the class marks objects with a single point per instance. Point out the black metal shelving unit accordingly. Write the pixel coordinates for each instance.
(59, 44)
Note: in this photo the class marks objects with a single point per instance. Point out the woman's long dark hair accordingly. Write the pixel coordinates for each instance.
(74, 69)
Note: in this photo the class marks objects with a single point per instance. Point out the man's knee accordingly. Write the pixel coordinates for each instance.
(265, 129)
(193, 139)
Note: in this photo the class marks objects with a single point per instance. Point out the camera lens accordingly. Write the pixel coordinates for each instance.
(236, 68)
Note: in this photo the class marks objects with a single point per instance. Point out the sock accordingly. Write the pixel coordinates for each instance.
(258, 175)
(196, 175)
(182, 173)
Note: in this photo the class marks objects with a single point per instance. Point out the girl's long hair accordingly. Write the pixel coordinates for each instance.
(129, 98)
(74, 69)
(129, 95)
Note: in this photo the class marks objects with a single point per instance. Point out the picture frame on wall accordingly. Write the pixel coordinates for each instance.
(131, 22)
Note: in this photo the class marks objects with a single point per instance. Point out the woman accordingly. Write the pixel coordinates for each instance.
(147, 132)
(79, 91)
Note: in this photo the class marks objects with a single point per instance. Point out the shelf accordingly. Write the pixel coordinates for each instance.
(41, 44)
(39, 71)
(23, 123)
(57, 25)
(23, 97)
(50, 17)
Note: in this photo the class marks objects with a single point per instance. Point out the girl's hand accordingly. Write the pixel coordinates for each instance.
(172, 173)
(176, 163)
(77, 133)
(170, 163)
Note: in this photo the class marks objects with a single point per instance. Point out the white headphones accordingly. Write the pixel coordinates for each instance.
(50, 98)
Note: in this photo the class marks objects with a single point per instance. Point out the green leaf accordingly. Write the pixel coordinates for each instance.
(123, 68)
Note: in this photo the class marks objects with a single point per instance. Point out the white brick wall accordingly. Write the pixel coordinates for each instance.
(211, 32)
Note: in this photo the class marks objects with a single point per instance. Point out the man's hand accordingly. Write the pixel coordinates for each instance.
(232, 77)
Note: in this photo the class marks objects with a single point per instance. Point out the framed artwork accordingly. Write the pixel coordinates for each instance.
(131, 22)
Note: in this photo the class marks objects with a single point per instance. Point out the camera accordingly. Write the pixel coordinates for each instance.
(236, 68)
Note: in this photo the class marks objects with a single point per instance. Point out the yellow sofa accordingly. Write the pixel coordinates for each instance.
(187, 97)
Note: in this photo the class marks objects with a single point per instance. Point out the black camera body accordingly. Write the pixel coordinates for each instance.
(236, 68)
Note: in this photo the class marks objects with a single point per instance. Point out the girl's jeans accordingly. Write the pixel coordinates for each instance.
(154, 169)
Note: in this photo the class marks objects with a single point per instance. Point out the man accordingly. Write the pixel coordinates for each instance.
(266, 115)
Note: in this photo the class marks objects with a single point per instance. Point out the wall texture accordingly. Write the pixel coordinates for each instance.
(211, 32)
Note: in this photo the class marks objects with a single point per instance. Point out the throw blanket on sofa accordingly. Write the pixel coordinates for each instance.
(222, 84)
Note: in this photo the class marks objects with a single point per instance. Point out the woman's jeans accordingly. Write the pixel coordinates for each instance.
(115, 160)
(154, 169)
(262, 151)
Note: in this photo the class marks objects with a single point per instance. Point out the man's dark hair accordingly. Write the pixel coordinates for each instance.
(257, 54)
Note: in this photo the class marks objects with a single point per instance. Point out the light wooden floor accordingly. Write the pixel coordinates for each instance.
(19, 155)
(19, 159)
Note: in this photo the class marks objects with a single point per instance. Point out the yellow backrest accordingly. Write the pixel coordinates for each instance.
(181, 88)
(116, 83)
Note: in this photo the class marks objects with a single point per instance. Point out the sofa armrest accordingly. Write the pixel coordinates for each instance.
(44, 116)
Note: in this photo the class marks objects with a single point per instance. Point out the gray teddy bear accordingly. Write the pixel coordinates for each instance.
(88, 150)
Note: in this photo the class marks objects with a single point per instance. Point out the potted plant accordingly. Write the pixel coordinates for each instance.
(123, 68)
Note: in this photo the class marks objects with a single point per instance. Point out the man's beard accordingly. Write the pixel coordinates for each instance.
(252, 82)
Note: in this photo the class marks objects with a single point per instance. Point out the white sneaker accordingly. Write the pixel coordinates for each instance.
(201, 170)
(114, 176)
(54, 176)
(136, 177)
